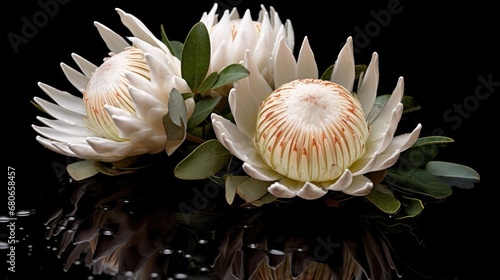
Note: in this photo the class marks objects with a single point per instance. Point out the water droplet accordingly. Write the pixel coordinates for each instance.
(253, 246)
(204, 269)
(4, 219)
(105, 207)
(128, 273)
(202, 241)
(154, 275)
(107, 232)
(187, 255)
(24, 213)
(300, 249)
(276, 252)
(166, 251)
(181, 276)
(70, 218)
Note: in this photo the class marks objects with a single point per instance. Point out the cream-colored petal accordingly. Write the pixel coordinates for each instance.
(236, 142)
(85, 151)
(113, 41)
(344, 70)
(306, 64)
(363, 165)
(49, 144)
(86, 66)
(367, 89)
(118, 149)
(139, 30)
(57, 135)
(382, 133)
(64, 99)
(66, 127)
(395, 99)
(262, 174)
(147, 106)
(310, 191)
(77, 79)
(246, 97)
(285, 67)
(285, 188)
(342, 182)
(360, 186)
(59, 112)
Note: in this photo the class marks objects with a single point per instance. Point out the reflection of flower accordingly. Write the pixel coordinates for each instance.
(116, 226)
(309, 136)
(124, 100)
(232, 36)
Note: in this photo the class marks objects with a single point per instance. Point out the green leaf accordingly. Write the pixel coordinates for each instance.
(231, 73)
(411, 208)
(267, 198)
(174, 122)
(417, 181)
(208, 82)
(177, 108)
(252, 189)
(82, 170)
(428, 140)
(328, 73)
(202, 109)
(410, 104)
(358, 69)
(196, 56)
(206, 160)
(381, 197)
(453, 174)
(165, 40)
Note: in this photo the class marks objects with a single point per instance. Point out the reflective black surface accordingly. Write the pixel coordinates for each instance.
(448, 56)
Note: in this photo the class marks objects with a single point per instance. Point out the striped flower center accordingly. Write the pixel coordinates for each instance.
(311, 130)
(108, 85)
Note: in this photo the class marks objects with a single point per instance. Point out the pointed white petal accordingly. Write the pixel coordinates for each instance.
(344, 70)
(147, 106)
(49, 144)
(65, 127)
(139, 30)
(64, 99)
(382, 132)
(114, 42)
(310, 191)
(236, 142)
(262, 174)
(285, 188)
(342, 182)
(77, 79)
(392, 103)
(86, 66)
(85, 151)
(58, 135)
(59, 112)
(285, 67)
(360, 186)
(306, 64)
(367, 91)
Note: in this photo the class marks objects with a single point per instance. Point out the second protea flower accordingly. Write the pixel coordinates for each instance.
(123, 100)
(307, 136)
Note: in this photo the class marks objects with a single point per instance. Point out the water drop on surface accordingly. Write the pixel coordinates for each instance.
(154, 275)
(181, 276)
(166, 251)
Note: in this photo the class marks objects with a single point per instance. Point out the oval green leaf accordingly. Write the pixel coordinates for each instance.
(195, 59)
(418, 181)
(206, 160)
(383, 201)
(231, 73)
(202, 109)
(454, 174)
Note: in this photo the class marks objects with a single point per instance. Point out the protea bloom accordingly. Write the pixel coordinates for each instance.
(232, 35)
(307, 136)
(123, 100)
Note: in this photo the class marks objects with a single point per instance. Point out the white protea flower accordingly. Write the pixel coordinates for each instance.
(308, 136)
(124, 99)
(233, 35)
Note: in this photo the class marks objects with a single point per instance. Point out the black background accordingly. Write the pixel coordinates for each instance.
(443, 51)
